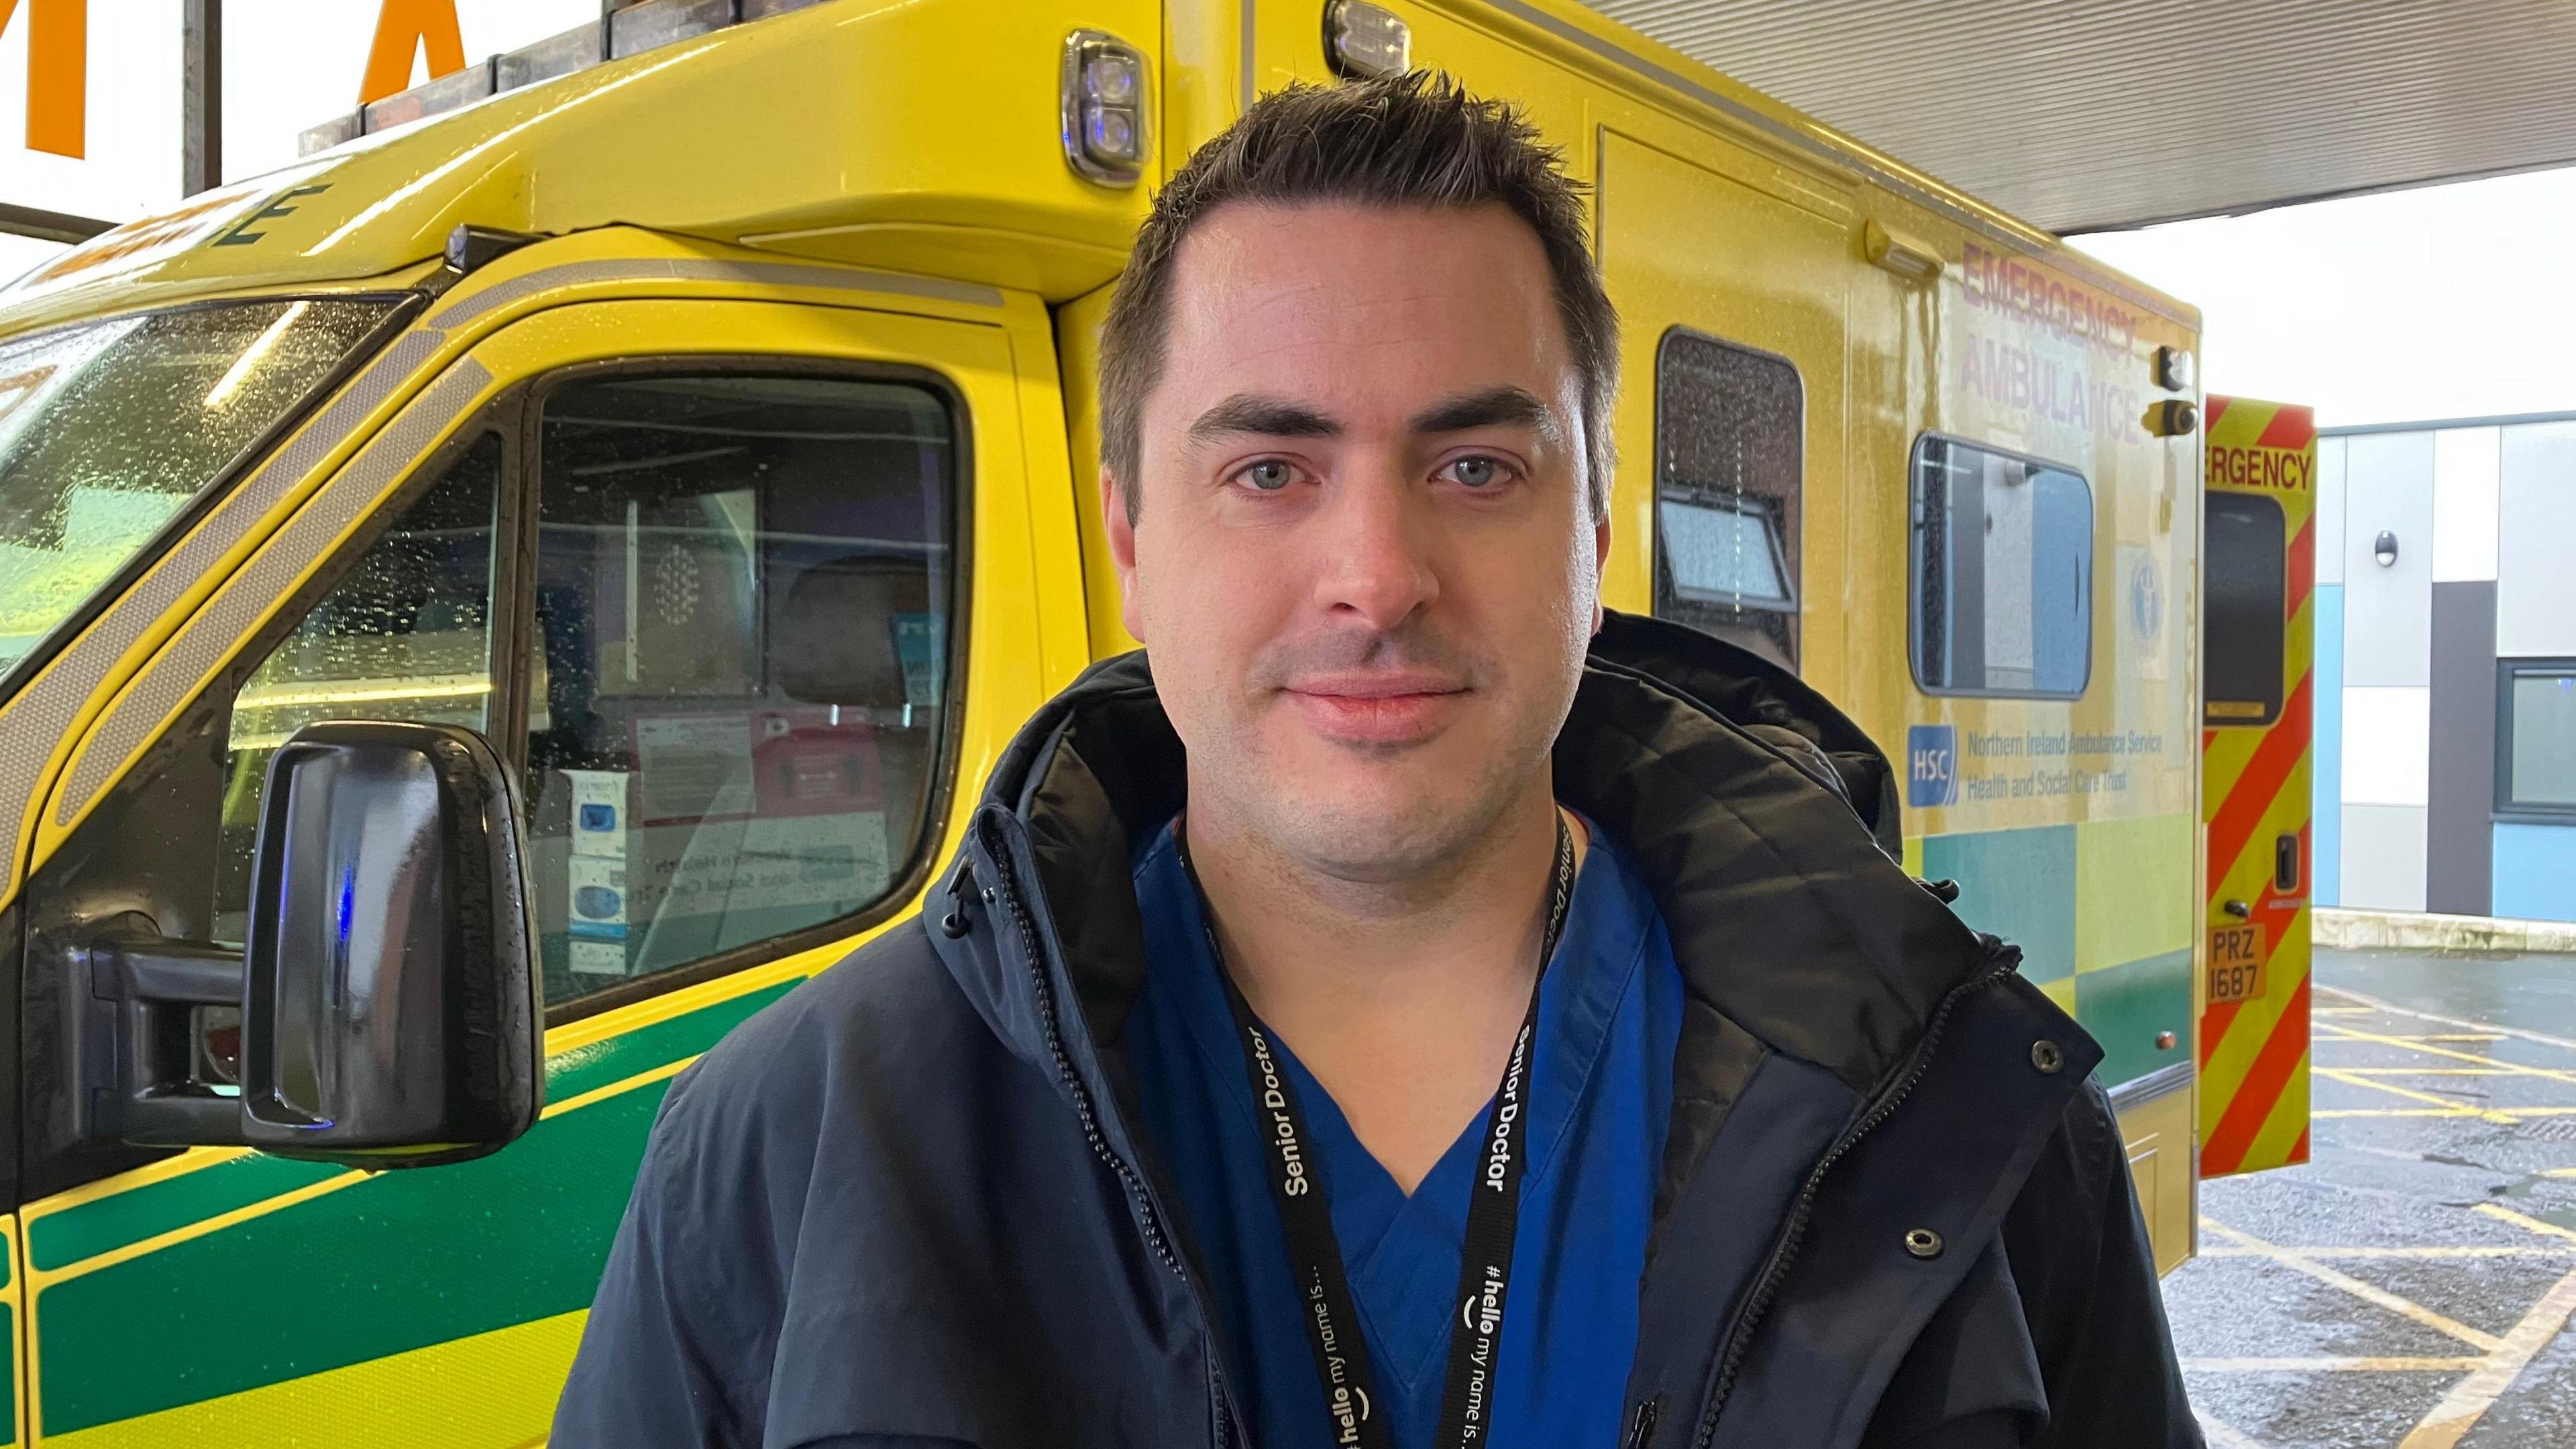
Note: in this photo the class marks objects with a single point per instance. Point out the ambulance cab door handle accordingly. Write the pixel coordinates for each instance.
(2239, 909)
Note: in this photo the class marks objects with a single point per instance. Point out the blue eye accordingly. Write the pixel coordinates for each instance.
(1269, 475)
(1476, 472)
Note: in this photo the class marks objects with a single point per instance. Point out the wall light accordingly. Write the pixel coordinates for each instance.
(2383, 549)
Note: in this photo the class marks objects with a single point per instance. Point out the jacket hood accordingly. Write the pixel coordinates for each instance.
(1764, 821)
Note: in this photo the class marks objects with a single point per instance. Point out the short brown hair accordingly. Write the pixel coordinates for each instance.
(1414, 140)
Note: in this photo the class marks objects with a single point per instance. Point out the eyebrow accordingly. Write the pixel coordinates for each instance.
(1494, 407)
(1267, 416)
(1276, 417)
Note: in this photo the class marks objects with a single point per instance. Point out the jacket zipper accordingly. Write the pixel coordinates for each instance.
(1641, 1430)
(1132, 1181)
(1784, 1251)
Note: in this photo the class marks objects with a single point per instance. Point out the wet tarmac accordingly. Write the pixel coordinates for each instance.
(2412, 1286)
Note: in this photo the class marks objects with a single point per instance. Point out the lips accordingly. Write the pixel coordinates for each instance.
(1378, 708)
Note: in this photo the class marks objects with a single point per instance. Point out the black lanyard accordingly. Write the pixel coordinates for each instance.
(1493, 1216)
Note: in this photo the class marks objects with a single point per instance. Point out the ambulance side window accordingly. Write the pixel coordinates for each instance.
(2002, 573)
(744, 594)
(406, 634)
(1730, 461)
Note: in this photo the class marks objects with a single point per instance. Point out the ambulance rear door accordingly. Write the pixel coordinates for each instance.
(2258, 636)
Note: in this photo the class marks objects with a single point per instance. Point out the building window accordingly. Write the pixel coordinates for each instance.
(1730, 460)
(2536, 738)
(2246, 613)
(2002, 573)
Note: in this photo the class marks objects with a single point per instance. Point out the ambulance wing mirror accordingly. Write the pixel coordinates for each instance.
(390, 1013)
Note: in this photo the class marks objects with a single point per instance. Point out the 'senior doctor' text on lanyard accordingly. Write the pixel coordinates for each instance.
(1485, 1260)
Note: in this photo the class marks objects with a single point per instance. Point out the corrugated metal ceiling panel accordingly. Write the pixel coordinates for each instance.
(2086, 115)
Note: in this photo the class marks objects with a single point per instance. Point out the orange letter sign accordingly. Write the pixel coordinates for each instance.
(402, 28)
(57, 73)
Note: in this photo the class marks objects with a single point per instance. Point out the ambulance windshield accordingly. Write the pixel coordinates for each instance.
(108, 428)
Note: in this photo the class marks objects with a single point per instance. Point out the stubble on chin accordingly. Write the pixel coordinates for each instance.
(1377, 820)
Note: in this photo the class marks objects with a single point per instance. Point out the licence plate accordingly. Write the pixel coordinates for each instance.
(2235, 963)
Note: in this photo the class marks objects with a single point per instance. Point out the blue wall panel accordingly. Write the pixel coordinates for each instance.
(2535, 872)
(2326, 778)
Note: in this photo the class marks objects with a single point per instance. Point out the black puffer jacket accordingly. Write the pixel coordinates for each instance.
(907, 1204)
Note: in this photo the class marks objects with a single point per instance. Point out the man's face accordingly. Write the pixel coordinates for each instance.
(1365, 567)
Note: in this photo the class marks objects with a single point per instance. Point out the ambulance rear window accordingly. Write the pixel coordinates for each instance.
(2243, 615)
(1729, 470)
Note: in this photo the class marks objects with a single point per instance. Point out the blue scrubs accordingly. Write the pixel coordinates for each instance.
(1609, 1016)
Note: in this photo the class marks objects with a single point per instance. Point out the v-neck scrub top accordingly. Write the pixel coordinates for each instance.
(1600, 1094)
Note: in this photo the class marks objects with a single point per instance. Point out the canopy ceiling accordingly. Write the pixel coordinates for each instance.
(2082, 115)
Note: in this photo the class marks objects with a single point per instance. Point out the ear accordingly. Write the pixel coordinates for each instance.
(1121, 532)
(1600, 561)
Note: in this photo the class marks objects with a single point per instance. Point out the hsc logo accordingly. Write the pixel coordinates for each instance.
(1931, 765)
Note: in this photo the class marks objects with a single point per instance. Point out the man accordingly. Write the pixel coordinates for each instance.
(1416, 1011)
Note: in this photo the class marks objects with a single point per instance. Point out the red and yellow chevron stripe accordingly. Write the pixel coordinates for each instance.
(2254, 792)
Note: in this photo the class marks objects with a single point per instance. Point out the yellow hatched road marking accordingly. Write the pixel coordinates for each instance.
(2345, 1033)
(2515, 1032)
(2333, 1365)
(2482, 1250)
(2453, 1109)
(2470, 1398)
(2370, 1293)
(2507, 1115)
(2504, 1214)
(2391, 1112)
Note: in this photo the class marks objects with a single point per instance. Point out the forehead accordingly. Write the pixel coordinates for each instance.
(1364, 303)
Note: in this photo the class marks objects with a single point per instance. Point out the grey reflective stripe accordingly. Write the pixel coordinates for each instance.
(1880, 172)
(764, 274)
(34, 721)
(176, 673)
(1249, 78)
(2160, 1082)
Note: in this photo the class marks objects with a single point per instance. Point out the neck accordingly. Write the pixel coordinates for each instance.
(1401, 993)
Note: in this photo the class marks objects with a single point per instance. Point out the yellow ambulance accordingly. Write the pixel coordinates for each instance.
(633, 486)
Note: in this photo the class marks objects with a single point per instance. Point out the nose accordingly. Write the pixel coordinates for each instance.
(1374, 563)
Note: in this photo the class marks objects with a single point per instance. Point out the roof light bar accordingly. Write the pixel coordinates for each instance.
(346, 127)
(642, 25)
(629, 27)
(562, 53)
(449, 92)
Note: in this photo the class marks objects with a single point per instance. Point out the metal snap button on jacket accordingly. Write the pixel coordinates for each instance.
(2047, 1055)
(1923, 1242)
